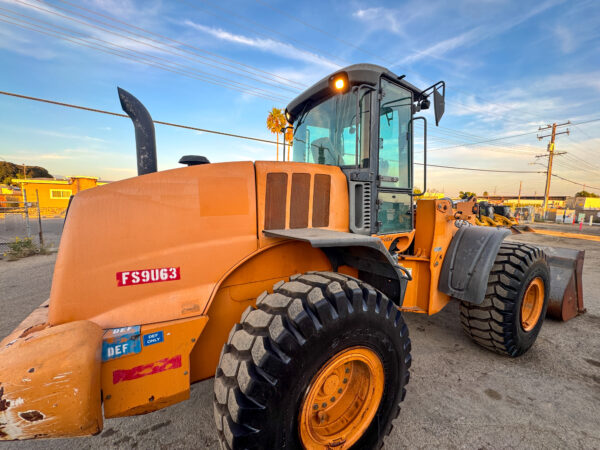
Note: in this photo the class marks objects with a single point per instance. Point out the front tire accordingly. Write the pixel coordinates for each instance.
(323, 360)
(510, 317)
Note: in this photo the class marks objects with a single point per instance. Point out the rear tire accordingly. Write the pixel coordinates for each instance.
(271, 359)
(502, 323)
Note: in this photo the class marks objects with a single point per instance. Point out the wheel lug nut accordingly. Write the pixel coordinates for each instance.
(345, 380)
(324, 405)
(332, 399)
(347, 370)
(339, 390)
(316, 407)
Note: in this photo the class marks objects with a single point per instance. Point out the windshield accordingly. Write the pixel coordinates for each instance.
(327, 133)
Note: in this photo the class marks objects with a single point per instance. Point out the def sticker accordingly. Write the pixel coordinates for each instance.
(118, 342)
(153, 338)
(144, 276)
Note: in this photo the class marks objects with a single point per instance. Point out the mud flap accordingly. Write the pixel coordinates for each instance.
(566, 289)
(50, 382)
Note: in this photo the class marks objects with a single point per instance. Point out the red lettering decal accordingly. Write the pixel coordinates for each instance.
(134, 373)
(143, 276)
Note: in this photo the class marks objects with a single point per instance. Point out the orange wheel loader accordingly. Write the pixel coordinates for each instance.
(285, 281)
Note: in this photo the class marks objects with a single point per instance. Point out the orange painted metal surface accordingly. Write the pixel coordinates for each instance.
(158, 376)
(50, 382)
(241, 287)
(435, 226)
(199, 219)
(403, 240)
(338, 194)
(342, 400)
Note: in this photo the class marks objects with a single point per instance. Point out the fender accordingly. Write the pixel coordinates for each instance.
(367, 254)
(468, 261)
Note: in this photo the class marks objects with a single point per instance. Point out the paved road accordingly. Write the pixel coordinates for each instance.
(459, 396)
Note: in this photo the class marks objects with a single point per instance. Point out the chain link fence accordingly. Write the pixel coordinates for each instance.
(22, 219)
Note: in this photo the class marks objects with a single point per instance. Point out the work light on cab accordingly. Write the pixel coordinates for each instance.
(339, 82)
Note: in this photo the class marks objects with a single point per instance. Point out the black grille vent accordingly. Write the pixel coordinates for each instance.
(360, 207)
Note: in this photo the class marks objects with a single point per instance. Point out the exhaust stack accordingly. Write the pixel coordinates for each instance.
(145, 141)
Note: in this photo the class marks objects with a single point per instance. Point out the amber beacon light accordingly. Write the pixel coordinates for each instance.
(339, 82)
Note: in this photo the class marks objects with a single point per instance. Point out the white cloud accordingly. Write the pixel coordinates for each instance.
(565, 38)
(266, 45)
(380, 16)
(478, 34)
(441, 48)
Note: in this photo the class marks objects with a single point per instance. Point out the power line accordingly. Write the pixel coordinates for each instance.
(487, 140)
(178, 45)
(478, 169)
(160, 122)
(387, 61)
(575, 182)
(134, 58)
(506, 137)
(162, 43)
(187, 127)
(113, 33)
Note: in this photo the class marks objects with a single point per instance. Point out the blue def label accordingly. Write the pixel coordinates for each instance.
(118, 342)
(153, 338)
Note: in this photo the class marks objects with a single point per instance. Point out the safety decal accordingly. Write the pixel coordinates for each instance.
(118, 342)
(144, 276)
(153, 338)
(144, 370)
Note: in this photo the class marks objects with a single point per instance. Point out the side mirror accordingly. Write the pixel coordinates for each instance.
(439, 104)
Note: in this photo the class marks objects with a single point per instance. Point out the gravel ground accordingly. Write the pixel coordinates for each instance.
(459, 396)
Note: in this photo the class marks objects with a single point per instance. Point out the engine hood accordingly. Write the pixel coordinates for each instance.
(152, 248)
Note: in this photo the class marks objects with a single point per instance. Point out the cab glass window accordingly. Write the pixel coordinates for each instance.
(394, 138)
(327, 133)
(394, 212)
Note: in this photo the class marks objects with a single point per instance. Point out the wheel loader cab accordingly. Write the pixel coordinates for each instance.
(361, 120)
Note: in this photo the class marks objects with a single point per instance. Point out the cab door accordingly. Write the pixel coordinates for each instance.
(394, 178)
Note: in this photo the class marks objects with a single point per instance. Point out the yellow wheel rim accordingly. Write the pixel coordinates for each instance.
(533, 302)
(342, 399)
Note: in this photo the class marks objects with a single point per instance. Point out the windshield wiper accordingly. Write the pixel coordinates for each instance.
(303, 114)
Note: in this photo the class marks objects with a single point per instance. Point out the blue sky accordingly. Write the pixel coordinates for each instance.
(510, 66)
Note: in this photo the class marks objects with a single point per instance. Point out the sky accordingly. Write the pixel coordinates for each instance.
(509, 67)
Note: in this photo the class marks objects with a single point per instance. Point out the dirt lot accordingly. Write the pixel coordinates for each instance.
(459, 396)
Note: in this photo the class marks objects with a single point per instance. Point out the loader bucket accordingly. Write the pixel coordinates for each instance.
(566, 292)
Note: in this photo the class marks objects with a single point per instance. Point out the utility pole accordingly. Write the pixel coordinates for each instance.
(519, 200)
(550, 156)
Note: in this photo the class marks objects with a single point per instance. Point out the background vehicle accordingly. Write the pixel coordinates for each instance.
(284, 280)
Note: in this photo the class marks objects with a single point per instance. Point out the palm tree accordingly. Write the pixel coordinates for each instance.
(275, 121)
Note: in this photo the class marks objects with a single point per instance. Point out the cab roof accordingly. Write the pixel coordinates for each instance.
(357, 74)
